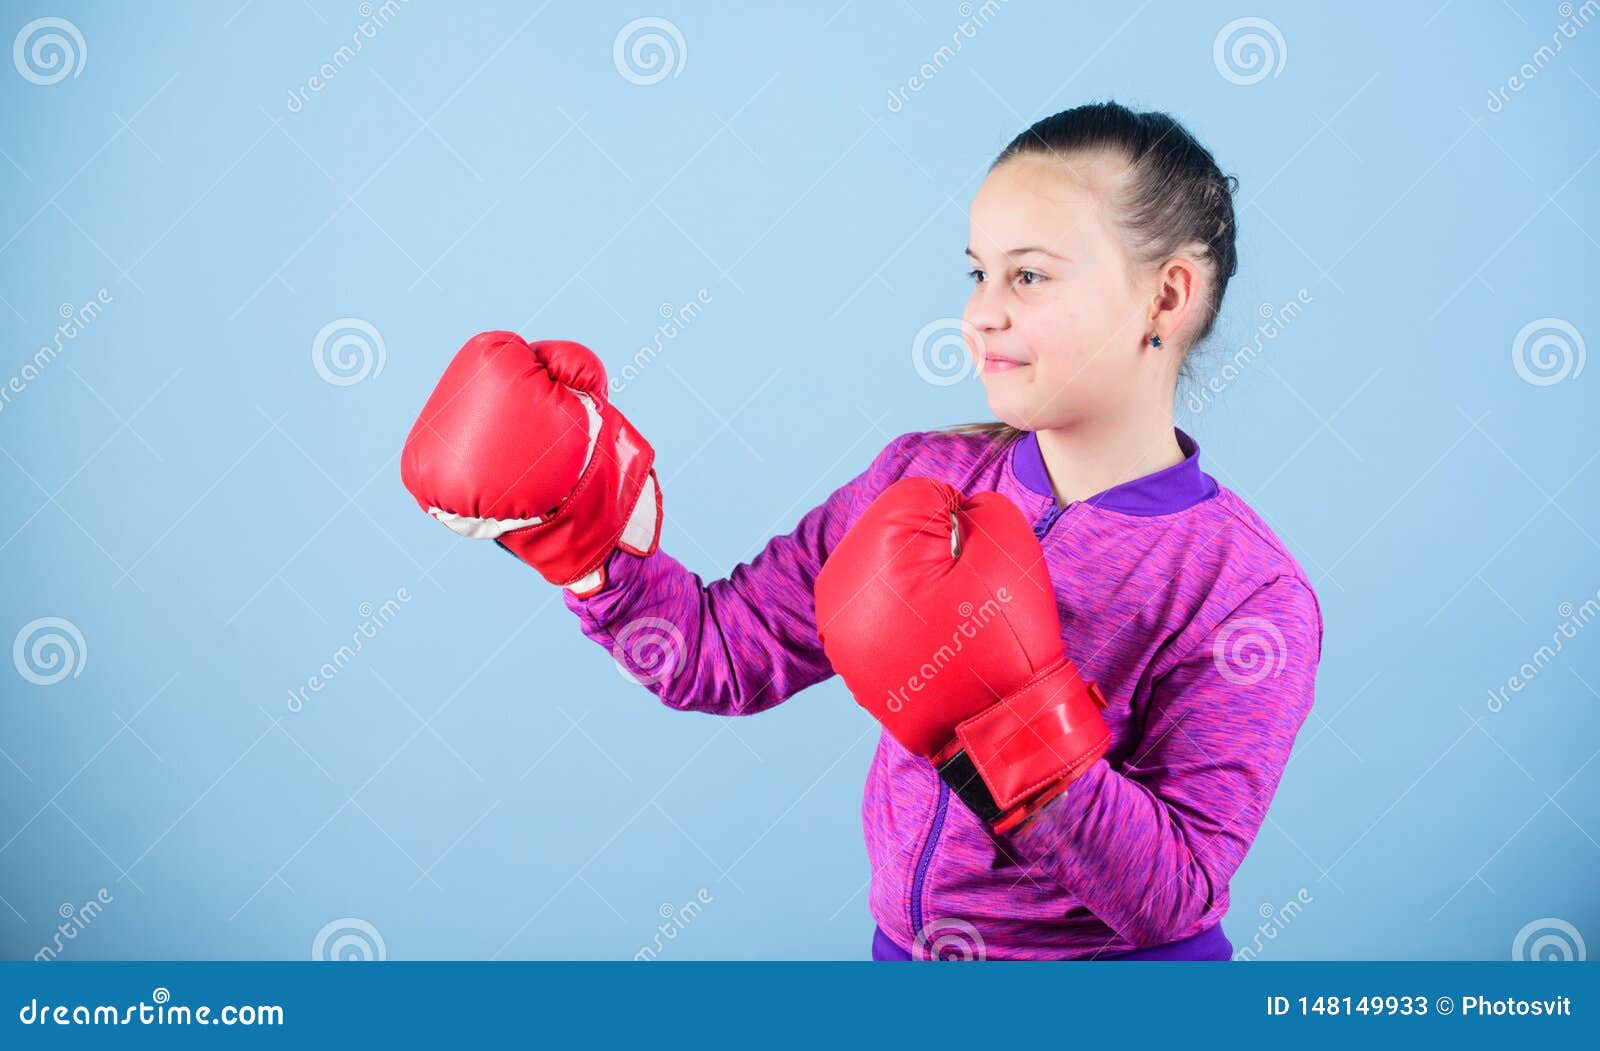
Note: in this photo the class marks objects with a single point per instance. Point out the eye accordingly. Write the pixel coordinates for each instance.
(976, 276)
(1031, 277)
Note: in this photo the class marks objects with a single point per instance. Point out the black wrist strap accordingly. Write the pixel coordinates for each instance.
(962, 776)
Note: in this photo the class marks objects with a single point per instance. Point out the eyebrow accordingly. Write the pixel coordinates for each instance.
(1024, 250)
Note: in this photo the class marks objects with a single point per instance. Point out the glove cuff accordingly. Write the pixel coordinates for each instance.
(1017, 754)
(601, 513)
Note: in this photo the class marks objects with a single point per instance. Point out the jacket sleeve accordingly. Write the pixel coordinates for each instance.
(1149, 848)
(742, 644)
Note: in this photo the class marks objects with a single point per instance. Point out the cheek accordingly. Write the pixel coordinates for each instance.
(1051, 331)
(1088, 323)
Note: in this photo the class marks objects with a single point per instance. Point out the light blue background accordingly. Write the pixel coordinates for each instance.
(481, 782)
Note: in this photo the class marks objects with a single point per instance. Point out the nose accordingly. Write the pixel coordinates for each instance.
(984, 315)
(985, 311)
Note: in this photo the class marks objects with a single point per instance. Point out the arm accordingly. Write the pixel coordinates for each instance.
(740, 645)
(520, 444)
(1150, 849)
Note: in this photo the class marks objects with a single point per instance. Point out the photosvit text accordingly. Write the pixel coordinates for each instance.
(1474, 1005)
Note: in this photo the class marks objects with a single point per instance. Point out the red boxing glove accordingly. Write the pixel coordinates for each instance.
(518, 444)
(938, 613)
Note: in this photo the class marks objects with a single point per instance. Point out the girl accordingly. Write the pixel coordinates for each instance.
(1101, 244)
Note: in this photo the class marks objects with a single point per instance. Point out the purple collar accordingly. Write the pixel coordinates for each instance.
(1170, 489)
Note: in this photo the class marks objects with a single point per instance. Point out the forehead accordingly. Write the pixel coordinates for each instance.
(1042, 200)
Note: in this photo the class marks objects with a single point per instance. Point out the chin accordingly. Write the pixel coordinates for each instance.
(1018, 409)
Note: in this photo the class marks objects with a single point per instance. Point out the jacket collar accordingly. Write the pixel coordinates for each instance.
(1171, 489)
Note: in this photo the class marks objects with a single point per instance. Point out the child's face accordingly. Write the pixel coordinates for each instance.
(1057, 322)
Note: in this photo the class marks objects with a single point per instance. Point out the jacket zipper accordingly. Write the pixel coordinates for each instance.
(1040, 528)
(925, 859)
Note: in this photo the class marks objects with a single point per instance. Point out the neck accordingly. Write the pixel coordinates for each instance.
(1089, 458)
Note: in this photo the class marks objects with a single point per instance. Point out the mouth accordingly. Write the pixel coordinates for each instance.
(993, 363)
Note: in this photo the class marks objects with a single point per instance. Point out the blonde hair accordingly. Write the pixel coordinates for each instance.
(1000, 434)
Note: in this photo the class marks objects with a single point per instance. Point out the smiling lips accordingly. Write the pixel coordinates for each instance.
(995, 363)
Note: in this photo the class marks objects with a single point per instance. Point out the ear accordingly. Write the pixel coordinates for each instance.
(1176, 302)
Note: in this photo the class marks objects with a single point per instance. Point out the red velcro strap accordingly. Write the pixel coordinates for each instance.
(575, 539)
(1044, 733)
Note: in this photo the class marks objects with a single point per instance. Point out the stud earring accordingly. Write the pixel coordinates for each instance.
(1155, 341)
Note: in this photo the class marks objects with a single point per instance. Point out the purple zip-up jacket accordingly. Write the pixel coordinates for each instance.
(1196, 622)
